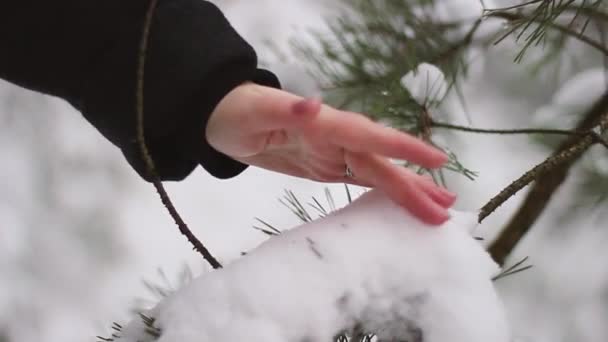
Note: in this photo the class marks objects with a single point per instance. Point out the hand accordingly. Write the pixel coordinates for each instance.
(278, 131)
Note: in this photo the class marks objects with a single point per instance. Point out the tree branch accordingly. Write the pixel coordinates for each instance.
(507, 131)
(548, 175)
(149, 162)
(563, 29)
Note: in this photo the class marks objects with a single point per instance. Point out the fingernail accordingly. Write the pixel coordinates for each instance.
(446, 216)
(448, 193)
(442, 156)
(450, 201)
(444, 191)
(438, 219)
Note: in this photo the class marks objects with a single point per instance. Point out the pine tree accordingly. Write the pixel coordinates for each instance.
(377, 57)
(403, 61)
(380, 58)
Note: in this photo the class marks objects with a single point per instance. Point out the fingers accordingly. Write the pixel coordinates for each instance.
(440, 195)
(271, 109)
(358, 134)
(423, 199)
(310, 139)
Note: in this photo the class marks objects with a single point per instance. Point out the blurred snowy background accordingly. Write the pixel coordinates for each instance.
(79, 231)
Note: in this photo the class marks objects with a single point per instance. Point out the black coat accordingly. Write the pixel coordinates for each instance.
(85, 51)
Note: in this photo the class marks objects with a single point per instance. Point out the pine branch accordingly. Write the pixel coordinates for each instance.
(515, 269)
(514, 17)
(507, 131)
(548, 175)
(149, 162)
(590, 12)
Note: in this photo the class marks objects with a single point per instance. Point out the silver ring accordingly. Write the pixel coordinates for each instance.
(348, 172)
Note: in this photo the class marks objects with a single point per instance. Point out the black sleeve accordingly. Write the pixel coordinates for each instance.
(85, 51)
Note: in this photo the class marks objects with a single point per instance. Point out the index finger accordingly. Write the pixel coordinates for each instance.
(354, 132)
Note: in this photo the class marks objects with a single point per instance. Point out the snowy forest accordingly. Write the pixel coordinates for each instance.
(515, 91)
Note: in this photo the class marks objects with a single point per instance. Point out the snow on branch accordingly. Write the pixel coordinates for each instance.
(369, 266)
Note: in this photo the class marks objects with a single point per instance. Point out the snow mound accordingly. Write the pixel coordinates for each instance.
(369, 264)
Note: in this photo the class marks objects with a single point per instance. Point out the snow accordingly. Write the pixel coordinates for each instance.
(370, 263)
(467, 12)
(582, 89)
(459, 10)
(574, 97)
(58, 245)
(80, 301)
(596, 159)
(426, 84)
(296, 80)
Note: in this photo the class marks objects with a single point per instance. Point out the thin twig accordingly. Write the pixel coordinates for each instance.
(563, 29)
(548, 180)
(590, 12)
(149, 162)
(517, 268)
(546, 166)
(507, 131)
(425, 123)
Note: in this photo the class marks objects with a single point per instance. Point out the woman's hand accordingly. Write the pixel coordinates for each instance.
(278, 131)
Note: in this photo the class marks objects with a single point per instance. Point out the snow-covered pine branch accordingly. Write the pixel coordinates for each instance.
(369, 264)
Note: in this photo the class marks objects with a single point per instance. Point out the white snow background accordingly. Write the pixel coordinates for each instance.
(561, 299)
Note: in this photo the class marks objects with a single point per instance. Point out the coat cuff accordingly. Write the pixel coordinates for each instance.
(195, 59)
